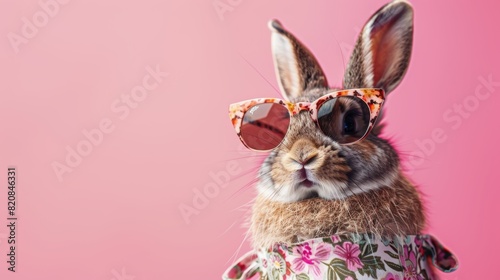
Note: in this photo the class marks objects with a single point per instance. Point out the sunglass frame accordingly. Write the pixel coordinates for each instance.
(373, 97)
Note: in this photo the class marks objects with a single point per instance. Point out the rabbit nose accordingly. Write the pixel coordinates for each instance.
(303, 154)
(307, 160)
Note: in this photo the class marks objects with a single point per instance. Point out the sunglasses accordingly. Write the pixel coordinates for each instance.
(346, 116)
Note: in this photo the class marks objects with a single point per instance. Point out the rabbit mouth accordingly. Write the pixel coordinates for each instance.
(306, 189)
(304, 178)
(307, 183)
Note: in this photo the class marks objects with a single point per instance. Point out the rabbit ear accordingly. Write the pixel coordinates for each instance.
(383, 49)
(296, 68)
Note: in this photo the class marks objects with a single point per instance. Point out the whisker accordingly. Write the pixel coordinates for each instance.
(245, 187)
(247, 172)
(260, 74)
(258, 157)
(342, 54)
(227, 230)
(248, 204)
(275, 192)
(234, 257)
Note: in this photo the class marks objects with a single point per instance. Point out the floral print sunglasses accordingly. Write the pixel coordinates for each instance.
(346, 116)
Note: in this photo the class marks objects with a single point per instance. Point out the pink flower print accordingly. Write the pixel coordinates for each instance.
(409, 263)
(419, 244)
(390, 276)
(335, 239)
(264, 263)
(309, 256)
(276, 262)
(350, 253)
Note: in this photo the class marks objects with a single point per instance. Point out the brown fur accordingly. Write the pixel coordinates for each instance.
(305, 148)
(390, 210)
(359, 187)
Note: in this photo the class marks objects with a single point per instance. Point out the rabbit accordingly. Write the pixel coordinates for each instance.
(356, 188)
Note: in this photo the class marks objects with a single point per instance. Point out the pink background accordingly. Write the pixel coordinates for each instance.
(116, 214)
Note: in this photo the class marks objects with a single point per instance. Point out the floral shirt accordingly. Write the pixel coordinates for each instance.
(347, 257)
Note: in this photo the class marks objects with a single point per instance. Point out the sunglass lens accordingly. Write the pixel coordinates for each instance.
(345, 119)
(264, 126)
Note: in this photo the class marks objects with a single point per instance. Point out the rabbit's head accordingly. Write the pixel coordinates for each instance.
(308, 163)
